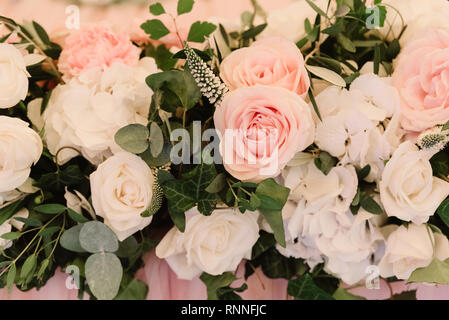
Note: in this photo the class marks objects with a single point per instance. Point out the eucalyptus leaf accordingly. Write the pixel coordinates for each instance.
(70, 239)
(104, 273)
(156, 140)
(133, 138)
(97, 237)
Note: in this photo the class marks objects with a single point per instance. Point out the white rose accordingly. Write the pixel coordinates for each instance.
(408, 189)
(122, 189)
(288, 22)
(418, 16)
(214, 244)
(14, 83)
(87, 112)
(412, 247)
(20, 148)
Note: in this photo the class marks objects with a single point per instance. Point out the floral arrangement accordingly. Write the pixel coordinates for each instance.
(312, 147)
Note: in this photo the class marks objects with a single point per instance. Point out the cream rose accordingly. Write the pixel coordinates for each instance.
(87, 112)
(122, 189)
(20, 148)
(421, 76)
(261, 129)
(213, 244)
(271, 61)
(408, 189)
(410, 248)
(14, 80)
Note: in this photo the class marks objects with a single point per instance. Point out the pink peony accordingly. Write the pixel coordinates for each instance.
(262, 128)
(272, 61)
(422, 79)
(97, 47)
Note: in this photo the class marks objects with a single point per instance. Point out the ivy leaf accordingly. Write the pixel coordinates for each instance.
(133, 138)
(325, 162)
(135, 290)
(272, 210)
(217, 184)
(104, 273)
(199, 31)
(218, 287)
(155, 29)
(436, 272)
(264, 243)
(68, 177)
(304, 288)
(185, 6)
(157, 9)
(343, 294)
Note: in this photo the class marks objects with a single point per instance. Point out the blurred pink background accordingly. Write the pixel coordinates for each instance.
(162, 282)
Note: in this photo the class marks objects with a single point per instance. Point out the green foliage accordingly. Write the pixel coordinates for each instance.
(70, 239)
(185, 6)
(155, 29)
(218, 287)
(189, 191)
(304, 288)
(200, 31)
(133, 138)
(104, 273)
(436, 272)
(95, 237)
(343, 294)
(134, 290)
(325, 162)
(178, 89)
(443, 212)
(157, 9)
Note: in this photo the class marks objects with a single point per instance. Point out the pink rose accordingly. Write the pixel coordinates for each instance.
(96, 47)
(422, 79)
(261, 129)
(272, 61)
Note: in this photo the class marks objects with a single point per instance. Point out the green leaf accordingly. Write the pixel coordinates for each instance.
(43, 36)
(104, 273)
(133, 138)
(157, 9)
(164, 58)
(43, 267)
(436, 272)
(440, 164)
(185, 6)
(443, 211)
(70, 176)
(199, 31)
(213, 283)
(217, 184)
(364, 172)
(11, 236)
(317, 9)
(346, 43)
(265, 242)
(343, 294)
(127, 247)
(254, 32)
(75, 216)
(49, 231)
(97, 237)
(28, 266)
(304, 288)
(29, 221)
(10, 210)
(135, 290)
(50, 208)
(370, 205)
(155, 29)
(445, 126)
(328, 75)
(314, 104)
(183, 194)
(162, 159)
(156, 140)
(70, 239)
(325, 162)
(273, 214)
(179, 88)
(11, 277)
